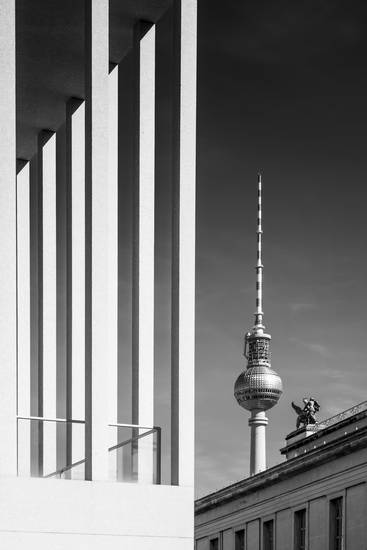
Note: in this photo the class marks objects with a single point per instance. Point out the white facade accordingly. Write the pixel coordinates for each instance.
(74, 473)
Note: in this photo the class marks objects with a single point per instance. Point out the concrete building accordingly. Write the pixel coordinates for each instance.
(80, 116)
(315, 500)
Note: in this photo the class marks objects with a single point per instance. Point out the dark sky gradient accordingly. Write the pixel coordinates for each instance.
(282, 89)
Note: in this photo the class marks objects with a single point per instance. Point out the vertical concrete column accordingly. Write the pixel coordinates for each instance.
(62, 279)
(183, 245)
(77, 275)
(24, 328)
(23, 291)
(8, 313)
(112, 238)
(96, 299)
(146, 249)
(143, 248)
(36, 334)
(49, 299)
(114, 462)
(258, 423)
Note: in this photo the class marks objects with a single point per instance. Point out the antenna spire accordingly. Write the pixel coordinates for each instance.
(259, 327)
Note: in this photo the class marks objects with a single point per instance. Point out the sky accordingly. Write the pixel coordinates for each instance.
(282, 89)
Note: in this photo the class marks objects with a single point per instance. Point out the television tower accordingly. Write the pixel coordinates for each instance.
(258, 387)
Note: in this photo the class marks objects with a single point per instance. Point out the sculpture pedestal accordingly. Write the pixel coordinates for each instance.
(301, 433)
(296, 437)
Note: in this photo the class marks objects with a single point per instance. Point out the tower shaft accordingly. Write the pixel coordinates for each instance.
(258, 423)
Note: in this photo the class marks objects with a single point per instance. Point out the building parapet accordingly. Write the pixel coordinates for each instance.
(311, 455)
(338, 426)
(343, 415)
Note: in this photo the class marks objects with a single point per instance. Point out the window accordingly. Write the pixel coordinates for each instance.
(268, 535)
(214, 544)
(336, 524)
(239, 540)
(300, 530)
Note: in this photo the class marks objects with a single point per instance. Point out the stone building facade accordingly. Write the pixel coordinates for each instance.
(315, 500)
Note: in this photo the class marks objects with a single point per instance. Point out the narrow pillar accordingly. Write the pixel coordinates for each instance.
(115, 463)
(76, 292)
(62, 266)
(36, 331)
(113, 238)
(49, 339)
(183, 245)
(23, 258)
(97, 202)
(126, 147)
(8, 344)
(143, 248)
(24, 328)
(258, 423)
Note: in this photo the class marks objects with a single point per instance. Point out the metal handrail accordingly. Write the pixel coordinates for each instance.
(140, 436)
(43, 419)
(151, 430)
(66, 468)
(118, 425)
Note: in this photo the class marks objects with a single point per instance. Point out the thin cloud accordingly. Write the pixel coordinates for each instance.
(315, 347)
(298, 307)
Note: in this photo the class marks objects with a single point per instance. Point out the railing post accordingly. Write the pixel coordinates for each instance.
(159, 455)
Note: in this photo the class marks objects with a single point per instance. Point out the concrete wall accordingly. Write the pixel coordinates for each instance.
(202, 544)
(227, 539)
(317, 524)
(283, 533)
(61, 514)
(253, 535)
(355, 520)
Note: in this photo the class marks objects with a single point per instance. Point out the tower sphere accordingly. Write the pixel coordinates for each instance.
(258, 388)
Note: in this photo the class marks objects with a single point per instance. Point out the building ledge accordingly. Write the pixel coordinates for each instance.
(302, 438)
